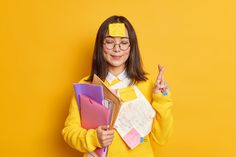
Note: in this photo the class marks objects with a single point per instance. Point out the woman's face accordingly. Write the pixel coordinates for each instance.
(116, 51)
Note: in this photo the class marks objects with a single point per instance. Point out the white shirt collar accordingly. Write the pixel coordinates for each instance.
(110, 77)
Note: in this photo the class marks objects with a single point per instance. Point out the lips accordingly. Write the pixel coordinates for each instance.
(116, 57)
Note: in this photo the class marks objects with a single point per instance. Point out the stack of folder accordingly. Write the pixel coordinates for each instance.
(98, 105)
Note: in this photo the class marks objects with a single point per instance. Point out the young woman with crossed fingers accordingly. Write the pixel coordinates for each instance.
(117, 61)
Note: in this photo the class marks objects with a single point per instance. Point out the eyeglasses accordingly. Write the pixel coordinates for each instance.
(109, 43)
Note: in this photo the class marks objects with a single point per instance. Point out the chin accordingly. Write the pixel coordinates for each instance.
(116, 64)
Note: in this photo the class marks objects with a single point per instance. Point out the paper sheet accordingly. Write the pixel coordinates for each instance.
(136, 116)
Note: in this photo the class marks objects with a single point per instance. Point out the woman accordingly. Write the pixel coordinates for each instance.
(117, 61)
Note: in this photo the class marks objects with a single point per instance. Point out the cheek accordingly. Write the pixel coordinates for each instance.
(126, 54)
(105, 50)
(106, 55)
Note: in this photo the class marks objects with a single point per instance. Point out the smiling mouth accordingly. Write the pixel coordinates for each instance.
(116, 57)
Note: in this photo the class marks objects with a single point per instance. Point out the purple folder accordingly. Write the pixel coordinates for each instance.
(92, 91)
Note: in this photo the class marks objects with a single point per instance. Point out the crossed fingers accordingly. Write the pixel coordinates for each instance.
(160, 85)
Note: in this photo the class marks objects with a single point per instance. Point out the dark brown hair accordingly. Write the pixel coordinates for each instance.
(133, 64)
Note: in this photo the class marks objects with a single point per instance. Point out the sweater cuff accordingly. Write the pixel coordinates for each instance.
(95, 142)
(161, 98)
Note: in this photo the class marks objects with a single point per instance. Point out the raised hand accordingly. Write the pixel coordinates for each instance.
(160, 85)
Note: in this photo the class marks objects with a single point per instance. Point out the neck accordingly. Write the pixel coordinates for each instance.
(116, 70)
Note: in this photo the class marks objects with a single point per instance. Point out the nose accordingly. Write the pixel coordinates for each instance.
(116, 48)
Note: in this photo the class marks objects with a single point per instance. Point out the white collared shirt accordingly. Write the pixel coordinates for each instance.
(123, 82)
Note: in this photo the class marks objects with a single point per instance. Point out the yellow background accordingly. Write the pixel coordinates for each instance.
(46, 45)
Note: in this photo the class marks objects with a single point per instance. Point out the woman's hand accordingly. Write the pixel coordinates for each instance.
(105, 136)
(160, 85)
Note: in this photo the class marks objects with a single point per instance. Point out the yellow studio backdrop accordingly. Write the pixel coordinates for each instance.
(46, 45)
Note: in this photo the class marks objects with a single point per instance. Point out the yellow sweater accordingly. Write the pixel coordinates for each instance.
(86, 140)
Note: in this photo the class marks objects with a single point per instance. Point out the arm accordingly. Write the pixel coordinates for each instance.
(162, 103)
(163, 122)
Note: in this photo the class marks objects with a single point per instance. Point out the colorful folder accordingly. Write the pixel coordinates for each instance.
(92, 99)
(93, 115)
(93, 91)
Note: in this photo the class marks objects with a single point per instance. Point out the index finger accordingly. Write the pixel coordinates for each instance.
(161, 72)
(103, 127)
(110, 132)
